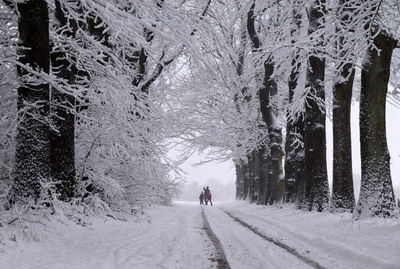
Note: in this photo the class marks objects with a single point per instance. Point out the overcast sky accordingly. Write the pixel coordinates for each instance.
(225, 172)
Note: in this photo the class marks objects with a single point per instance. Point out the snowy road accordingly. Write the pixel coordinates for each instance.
(233, 235)
(245, 249)
(173, 238)
(331, 240)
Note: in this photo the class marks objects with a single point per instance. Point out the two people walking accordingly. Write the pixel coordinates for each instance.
(205, 196)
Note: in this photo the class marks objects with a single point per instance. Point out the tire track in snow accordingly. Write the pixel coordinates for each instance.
(220, 259)
(278, 243)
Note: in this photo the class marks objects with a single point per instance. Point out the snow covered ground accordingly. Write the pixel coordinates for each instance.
(168, 237)
(332, 240)
(174, 237)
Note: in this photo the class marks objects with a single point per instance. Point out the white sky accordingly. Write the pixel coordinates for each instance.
(225, 171)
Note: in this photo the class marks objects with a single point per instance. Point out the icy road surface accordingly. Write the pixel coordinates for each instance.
(231, 235)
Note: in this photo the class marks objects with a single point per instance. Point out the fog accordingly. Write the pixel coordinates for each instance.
(220, 176)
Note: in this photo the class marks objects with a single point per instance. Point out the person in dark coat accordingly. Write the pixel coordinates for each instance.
(209, 197)
(206, 192)
(201, 197)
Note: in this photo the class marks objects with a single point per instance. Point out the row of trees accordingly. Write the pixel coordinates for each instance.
(268, 73)
(92, 89)
(83, 90)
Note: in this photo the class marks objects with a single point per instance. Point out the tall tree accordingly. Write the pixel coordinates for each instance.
(32, 141)
(342, 186)
(239, 178)
(316, 176)
(246, 179)
(268, 89)
(376, 193)
(62, 136)
(294, 157)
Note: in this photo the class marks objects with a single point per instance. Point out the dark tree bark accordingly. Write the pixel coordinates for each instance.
(257, 167)
(252, 176)
(269, 88)
(246, 179)
(294, 158)
(32, 141)
(242, 168)
(240, 174)
(263, 171)
(342, 190)
(62, 140)
(376, 193)
(276, 184)
(316, 176)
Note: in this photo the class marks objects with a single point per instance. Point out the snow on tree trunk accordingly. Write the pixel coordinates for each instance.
(294, 152)
(246, 179)
(263, 156)
(275, 189)
(240, 174)
(62, 140)
(32, 140)
(257, 159)
(316, 177)
(294, 158)
(252, 176)
(376, 193)
(268, 89)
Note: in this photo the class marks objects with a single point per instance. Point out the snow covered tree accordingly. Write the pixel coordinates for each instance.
(294, 149)
(376, 194)
(274, 185)
(316, 176)
(342, 187)
(62, 135)
(32, 140)
(8, 97)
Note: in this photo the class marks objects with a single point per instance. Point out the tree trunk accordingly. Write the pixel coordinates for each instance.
(294, 157)
(376, 193)
(240, 174)
(342, 189)
(316, 176)
(257, 159)
(246, 179)
(62, 140)
(276, 185)
(269, 88)
(252, 181)
(263, 156)
(32, 140)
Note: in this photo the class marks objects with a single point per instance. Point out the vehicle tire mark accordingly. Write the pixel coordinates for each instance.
(276, 242)
(220, 258)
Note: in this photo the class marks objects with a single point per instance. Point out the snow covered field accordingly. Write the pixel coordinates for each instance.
(174, 237)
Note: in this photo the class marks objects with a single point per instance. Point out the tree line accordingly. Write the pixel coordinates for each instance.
(305, 181)
(82, 101)
(93, 91)
(269, 73)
